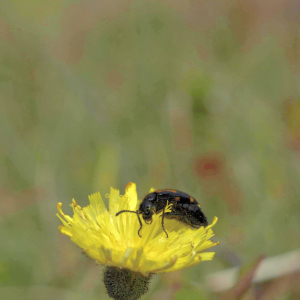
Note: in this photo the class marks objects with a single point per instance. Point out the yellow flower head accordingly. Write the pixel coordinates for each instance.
(114, 241)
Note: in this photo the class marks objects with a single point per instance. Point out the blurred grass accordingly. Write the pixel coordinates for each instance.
(189, 95)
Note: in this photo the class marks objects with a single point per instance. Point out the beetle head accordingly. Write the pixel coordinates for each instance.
(147, 208)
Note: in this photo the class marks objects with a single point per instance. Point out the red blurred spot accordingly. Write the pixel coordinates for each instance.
(209, 166)
(114, 79)
(218, 179)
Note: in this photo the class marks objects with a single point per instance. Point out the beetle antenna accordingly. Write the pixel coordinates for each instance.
(121, 211)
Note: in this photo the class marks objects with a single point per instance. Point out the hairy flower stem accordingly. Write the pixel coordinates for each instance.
(122, 284)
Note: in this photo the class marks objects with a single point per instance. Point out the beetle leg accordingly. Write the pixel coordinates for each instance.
(135, 212)
(162, 222)
(140, 224)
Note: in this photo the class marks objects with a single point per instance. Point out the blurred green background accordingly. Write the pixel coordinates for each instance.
(200, 96)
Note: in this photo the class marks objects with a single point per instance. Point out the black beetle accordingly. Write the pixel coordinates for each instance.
(184, 208)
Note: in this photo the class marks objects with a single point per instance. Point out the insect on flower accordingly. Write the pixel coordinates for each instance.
(183, 208)
(113, 241)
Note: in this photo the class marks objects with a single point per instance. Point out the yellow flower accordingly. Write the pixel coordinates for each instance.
(114, 241)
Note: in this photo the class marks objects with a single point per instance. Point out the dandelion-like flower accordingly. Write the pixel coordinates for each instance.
(113, 240)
